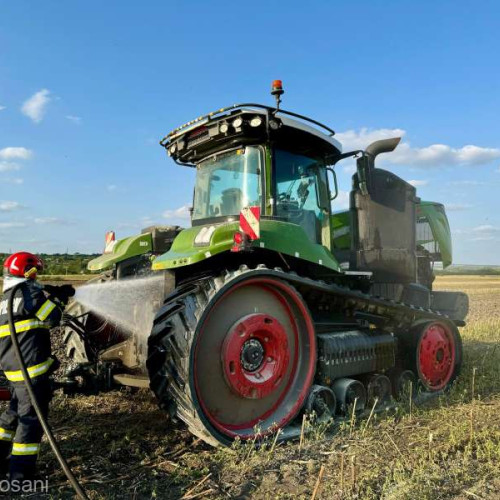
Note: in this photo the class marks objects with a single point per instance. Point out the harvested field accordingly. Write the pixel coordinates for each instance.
(121, 446)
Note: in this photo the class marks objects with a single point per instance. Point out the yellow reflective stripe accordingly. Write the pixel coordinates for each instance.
(6, 435)
(45, 310)
(25, 448)
(33, 371)
(23, 326)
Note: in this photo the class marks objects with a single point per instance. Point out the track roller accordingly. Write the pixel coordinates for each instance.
(348, 391)
(378, 387)
(322, 401)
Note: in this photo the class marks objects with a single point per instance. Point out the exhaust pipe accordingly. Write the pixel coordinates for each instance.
(383, 146)
(366, 162)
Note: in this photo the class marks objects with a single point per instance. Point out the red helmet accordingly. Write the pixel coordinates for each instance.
(23, 265)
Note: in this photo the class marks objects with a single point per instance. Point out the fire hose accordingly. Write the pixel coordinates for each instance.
(43, 421)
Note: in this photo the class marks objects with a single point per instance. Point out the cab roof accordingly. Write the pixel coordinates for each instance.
(245, 124)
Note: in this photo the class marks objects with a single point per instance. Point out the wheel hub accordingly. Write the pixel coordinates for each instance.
(255, 356)
(252, 355)
(436, 356)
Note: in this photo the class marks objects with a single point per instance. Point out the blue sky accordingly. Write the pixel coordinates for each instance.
(87, 89)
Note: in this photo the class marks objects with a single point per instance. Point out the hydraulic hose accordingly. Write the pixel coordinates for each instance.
(29, 386)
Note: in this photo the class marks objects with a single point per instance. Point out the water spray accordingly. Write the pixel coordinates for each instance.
(130, 304)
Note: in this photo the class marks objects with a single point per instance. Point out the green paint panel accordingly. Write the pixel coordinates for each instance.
(436, 216)
(184, 251)
(123, 250)
(289, 239)
(341, 227)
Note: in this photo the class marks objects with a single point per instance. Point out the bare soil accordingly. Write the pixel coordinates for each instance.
(121, 446)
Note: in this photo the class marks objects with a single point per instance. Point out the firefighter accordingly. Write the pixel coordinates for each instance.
(36, 310)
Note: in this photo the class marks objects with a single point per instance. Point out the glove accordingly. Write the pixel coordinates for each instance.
(63, 292)
(67, 290)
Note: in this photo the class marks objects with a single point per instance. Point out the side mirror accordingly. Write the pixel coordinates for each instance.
(335, 184)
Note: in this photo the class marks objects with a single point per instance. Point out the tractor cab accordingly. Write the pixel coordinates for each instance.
(250, 155)
(230, 180)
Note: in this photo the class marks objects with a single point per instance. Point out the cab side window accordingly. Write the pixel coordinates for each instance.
(296, 192)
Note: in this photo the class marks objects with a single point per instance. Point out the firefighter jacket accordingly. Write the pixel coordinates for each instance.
(34, 315)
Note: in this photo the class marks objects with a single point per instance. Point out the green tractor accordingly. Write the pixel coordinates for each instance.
(274, 303)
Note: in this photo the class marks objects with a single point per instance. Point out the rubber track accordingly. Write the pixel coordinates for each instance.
(175, 325)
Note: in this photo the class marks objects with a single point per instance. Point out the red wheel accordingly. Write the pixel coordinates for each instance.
(438, 355)
(254, 358)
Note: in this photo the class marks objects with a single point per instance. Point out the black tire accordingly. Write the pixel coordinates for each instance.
(174, 361)
(76, 349)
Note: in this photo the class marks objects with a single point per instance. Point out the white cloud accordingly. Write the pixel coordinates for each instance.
(34, 107)
(457, 207)
(484, 232)
(147, 221)
(435, 155)
(178, 213)
(53, 220)
(349, 169)
(2, 108)
(352, 139)
(13, 180)
(438, 155)
(15, 153)
(75, 119)
(467, 183)
(10, 225)
(127, 225)
(341, 202)
(486, 228)
(418, 183)
(484, 238)
(9, 206)
(112, 187)
(6, 166)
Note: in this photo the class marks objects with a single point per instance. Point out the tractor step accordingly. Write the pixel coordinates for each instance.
(131, 380)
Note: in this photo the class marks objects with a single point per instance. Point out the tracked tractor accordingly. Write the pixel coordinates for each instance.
(276, 303)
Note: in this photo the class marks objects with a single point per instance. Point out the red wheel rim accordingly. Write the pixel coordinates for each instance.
(241, 395)
(436, 356)
(255, 355)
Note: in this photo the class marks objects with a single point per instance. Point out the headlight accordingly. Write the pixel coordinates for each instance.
(172, 149)
(224, 128)
(204, 236)
(256, 122)
(274, 124)
(237, 122)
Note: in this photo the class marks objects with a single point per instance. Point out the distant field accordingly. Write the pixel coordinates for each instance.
(123, 446)
(66, 277)
(76, 279)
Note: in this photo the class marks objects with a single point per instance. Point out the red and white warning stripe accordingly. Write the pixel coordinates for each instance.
(250, 222)
(110, 242)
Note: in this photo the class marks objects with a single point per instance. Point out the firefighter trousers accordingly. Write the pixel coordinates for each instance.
(20, 429)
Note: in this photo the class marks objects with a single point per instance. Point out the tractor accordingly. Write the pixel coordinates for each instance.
(274, 303)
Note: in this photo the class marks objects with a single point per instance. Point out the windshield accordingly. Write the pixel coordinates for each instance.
(226, 183)
(297, 180)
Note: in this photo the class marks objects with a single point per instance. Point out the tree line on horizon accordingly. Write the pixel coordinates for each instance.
(62, 264)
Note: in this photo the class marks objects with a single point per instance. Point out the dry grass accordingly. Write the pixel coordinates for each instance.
(123, 447)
